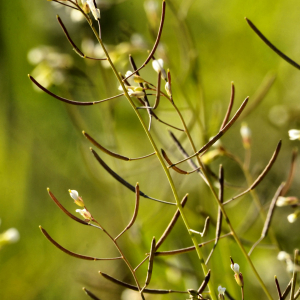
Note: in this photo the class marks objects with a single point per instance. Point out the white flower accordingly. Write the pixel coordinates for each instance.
(130, 79)
(282, 255)
(285, 201)
(294, 134)
(74, 194)
(221, 290)
(235, 268)
(95, 11)
(128, 73)
(292, 217)
(78, 200)
(246, 135)
(245, 131)
(86, 214)
(9, 236)
(158, 65)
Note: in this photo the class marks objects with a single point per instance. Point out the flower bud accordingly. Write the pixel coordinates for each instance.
(285, 201)
(85, 213)
(237, 276)
(77, 200)
(292, 218)
(95, 11)
(158, 65)
(138, 79)
(209, 156)
(221, 291)
(246, 135)
(235, 267)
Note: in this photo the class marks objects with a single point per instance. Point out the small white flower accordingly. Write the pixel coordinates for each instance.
(128, 73)
(294, 134)
(11, 235)
(246, 135)
(86, 214)
(158, 65)
(130, 79)
(78, 200)
(95, 11)
(221, 290)
(245, 131)
(285, 201)
(282, 255)
(292, 217)
(235, 268)
(74, 194)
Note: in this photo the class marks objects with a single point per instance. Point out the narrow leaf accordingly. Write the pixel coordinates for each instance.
(136, 209)
(132, 287)
(291, 172)
(261, 176)
(123, 181)
(276, 50)
(150, 264)
(171, 224)
(67, 100)
(204, 283)
(268, 218)
(104, 149)
(90, 294)
(76, 49)
(226, 118)
(278, 288)
(45, 233)
(188, 249)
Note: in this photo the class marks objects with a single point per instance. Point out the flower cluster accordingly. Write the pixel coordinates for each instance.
(78, 200)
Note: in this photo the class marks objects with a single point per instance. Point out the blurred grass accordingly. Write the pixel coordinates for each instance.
(41, 147)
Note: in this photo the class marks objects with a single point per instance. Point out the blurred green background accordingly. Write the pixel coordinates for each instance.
(206, 44)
